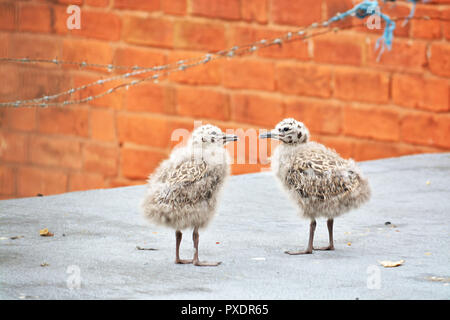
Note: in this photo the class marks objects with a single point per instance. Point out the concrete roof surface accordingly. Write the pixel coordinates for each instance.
(93, 254)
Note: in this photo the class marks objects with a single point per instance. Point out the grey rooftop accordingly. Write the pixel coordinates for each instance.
(96, 233)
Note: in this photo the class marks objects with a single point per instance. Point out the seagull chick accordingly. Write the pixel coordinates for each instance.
(183, 190)
(319, 181)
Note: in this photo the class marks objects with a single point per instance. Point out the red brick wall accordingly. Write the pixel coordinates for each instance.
(333, 83)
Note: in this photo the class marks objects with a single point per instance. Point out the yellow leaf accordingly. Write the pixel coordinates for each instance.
(45, 233)
(391, 264)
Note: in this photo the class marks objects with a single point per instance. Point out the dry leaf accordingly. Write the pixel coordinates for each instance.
(391, 264)
(438, 279)
(45, 233)
(16, 237)
(44, 264)
(140, 248)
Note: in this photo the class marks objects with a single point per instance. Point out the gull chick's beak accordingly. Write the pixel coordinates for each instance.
(229, 138)
(269, 135)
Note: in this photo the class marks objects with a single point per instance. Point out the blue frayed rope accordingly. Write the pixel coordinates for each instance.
(371, 7)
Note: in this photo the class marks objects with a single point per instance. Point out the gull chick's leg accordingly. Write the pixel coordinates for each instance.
(178, 236)
(312, 228)
(330, 235)
(195, 238)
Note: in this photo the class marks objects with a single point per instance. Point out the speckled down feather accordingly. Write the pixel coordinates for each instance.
(319, 180)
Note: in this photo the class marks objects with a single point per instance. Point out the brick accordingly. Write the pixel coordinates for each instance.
(60, 16)
(446, 24)
(113, 100)
(256, 109)
(85, 181)
(176, 7)
(339, 49)
(318, 116)
(103, 126)
(13, 147)
(379, 123)
(122, 182)
(142, 57)
(442, 131)
(90, 51)
(35, 18)
(333, 7)
(419, 92)
(36, 83)
(7, 180)
(97, 3)
(7, 16)
(157, 32)
(225, 9)
(361, 85)
(53, 152)
(143, 130)
(147, 97)
(243, 35)
(371, 150)
(66, 121)
(98, 25)
(209, 74)
(439, 60)
(202, 103)
(199, 35)
(418, 128)
(100, 159)
(139, 163)
(404, 55)
(254, 10)
(237, 169)
(31, 181)
(5, 49)
(300, 79)
(70, 1)
(426, 29)
(11, 85)
(35, 47)
(4, 118)
(342, 145)
(298, 13)
(23, 119)
(249, 74)
(148, 130)
(144, 5)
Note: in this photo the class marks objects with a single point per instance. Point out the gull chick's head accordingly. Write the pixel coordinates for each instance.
(289, 131)
(209, 135)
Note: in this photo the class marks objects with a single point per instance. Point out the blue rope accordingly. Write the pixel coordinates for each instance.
(372, 7)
